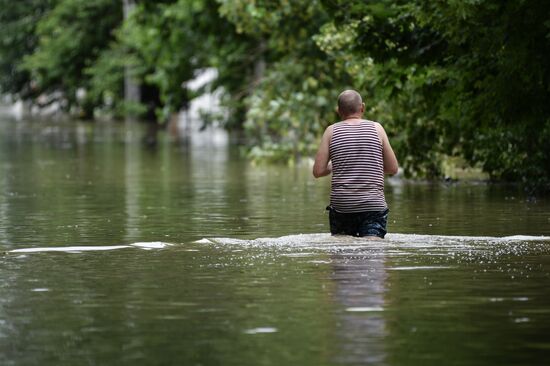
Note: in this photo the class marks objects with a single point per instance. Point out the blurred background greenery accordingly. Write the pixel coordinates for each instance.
(455, 82)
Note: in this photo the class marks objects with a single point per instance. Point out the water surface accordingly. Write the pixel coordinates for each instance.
(182, 253)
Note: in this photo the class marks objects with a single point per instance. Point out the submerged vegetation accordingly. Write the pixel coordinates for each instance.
(466, 80)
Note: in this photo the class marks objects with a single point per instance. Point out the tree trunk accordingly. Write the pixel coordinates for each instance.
(131, 88)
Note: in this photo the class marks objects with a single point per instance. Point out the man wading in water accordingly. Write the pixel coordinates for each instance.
(357, 152)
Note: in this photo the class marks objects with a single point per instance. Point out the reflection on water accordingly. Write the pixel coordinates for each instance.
(183, 253)
(360, 290)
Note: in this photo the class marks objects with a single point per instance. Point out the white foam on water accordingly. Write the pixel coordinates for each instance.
(310, 241)
(365, 309)
(261, 330)
(416, 268)
(524, 238)
(428, 241)
(392, 241)
(69, 249)
(456, 248)
(299, 255)
(151, 245)
(80, 249)
(319, 262)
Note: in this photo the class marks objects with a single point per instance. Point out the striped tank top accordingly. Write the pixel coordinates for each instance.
(357, 183)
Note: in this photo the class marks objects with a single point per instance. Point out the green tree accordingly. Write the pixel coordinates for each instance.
(291, 100)
(465, 78)
(500, 75)
(70, 38)
(18, 39)
(393, 62)
(166, 44)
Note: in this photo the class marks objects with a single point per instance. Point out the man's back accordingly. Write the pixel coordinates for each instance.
(355, 150)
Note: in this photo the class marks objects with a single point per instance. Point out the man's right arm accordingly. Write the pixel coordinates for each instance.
(322, 166)
(390, 161)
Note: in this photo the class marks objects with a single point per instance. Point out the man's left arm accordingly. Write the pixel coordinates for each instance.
(390, 161)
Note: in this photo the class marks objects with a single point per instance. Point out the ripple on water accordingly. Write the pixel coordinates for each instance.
(395, 245)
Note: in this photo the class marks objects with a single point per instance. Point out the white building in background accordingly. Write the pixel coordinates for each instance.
(19, 109)
(191, 122)
(13, 109)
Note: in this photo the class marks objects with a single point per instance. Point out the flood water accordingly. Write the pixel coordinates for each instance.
(182, 253)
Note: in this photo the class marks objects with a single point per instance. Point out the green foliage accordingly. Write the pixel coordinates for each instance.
(161, 37)
(18, 39)
(450, 80)
(107, 82)
(286, 25)
(456, 78)
(278, 47)
(288, 110)
(293, 100)
(164, 45)
(500, 74)
(70, 38)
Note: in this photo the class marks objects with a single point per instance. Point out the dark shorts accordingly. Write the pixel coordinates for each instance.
(369, 223)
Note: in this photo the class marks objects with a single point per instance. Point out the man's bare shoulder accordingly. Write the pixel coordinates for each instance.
(373, 122)
(329, 129)
(378, 126)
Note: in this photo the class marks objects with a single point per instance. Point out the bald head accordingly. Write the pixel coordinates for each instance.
(349, 103)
